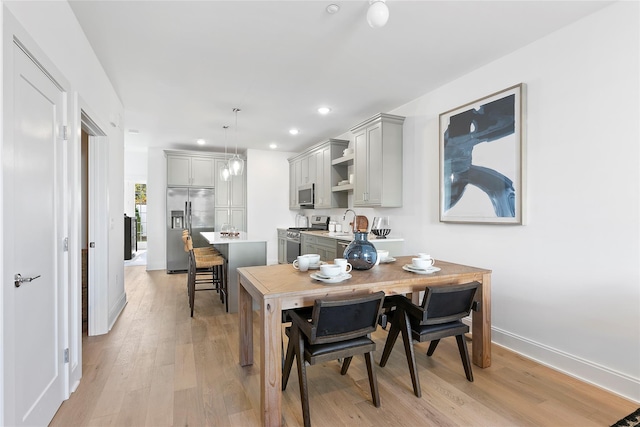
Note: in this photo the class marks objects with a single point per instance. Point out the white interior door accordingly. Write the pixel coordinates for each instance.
(34, 368)
(98, 236)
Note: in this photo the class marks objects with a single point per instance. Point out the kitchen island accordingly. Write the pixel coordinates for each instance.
(240, 251)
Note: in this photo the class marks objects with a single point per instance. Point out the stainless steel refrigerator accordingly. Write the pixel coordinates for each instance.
(191, 209)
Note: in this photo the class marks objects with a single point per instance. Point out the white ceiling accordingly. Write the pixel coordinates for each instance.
(180, 67)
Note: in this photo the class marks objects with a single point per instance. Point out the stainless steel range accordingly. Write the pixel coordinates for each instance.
(317, 222)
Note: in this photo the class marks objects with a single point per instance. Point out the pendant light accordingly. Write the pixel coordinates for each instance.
(225, 173)
(236, 164)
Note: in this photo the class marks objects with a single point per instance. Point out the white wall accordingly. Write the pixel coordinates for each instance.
(135, 172)
(566, 287)
(135, 165)
(156, 209)
(268, 197)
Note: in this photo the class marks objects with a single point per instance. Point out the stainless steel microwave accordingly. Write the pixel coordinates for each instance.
(306, 196)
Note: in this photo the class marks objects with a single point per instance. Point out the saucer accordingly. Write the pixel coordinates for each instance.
(411, 268)
(337, 279)
(387, 260)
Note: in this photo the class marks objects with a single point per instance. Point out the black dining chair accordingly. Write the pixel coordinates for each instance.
(338, 328)
(439, 316)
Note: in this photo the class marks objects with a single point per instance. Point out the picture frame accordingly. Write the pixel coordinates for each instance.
(482, 160)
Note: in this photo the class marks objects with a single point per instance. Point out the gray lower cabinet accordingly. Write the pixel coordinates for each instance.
(394, 246)
(282, 246)
(323, 246)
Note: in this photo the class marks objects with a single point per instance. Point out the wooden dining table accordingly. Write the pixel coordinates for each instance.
(280, 287)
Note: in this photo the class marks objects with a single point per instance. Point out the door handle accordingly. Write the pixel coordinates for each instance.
(19, 280)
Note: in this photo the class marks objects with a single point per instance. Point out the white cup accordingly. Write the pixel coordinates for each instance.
(314, 259)
(382, 255)
(301, 263)
(345, 267)
(423, 255)
(422, 263)
(330, 270)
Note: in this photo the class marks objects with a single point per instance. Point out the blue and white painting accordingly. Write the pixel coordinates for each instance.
(480, 160)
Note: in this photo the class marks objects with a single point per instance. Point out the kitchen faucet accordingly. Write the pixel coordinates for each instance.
(344, 217)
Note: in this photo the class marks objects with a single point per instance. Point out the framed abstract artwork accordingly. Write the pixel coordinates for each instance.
(482, 160)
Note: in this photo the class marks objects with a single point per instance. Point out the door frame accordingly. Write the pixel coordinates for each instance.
(14, 34)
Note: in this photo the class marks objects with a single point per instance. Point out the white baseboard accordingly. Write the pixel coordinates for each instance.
(584, 370)
(117, 309)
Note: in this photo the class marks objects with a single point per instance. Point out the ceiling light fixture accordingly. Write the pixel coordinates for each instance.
(333, 8)
(225, 174)
(200, 141)
(294, 131)
(377, 14)
(273, 145)
(324, 110)
(236, 164)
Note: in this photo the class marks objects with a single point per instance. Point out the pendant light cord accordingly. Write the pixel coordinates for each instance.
(236, 110)
(225, 127)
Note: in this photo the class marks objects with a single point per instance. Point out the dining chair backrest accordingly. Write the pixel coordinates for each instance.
(336, 320)
(188, 244)
(443, 304)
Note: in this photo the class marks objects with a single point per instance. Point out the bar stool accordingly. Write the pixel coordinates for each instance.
(208, 250)
(204, 251)
(207, 270)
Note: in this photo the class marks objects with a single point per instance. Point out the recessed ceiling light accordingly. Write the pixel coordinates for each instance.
(294, 131)
(273, 145)
(333, 8)
(200, 142)
(324, 110)
(134, 131)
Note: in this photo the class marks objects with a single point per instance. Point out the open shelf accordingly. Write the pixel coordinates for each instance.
(341, 160)
(346, 187)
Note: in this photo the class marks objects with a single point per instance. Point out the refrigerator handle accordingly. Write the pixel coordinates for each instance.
(190, 217)
(186, 216)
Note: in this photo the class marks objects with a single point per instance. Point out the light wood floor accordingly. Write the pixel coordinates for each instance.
(159, 367)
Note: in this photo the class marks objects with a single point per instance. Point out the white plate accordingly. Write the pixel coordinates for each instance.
(325, 279)
(409, 267)
(316, 266)
(387, 260)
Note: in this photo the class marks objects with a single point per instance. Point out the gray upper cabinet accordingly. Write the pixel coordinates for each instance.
(314, 166)
(190, 171)
(229, 193)
(230, 199)
(378, 162)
